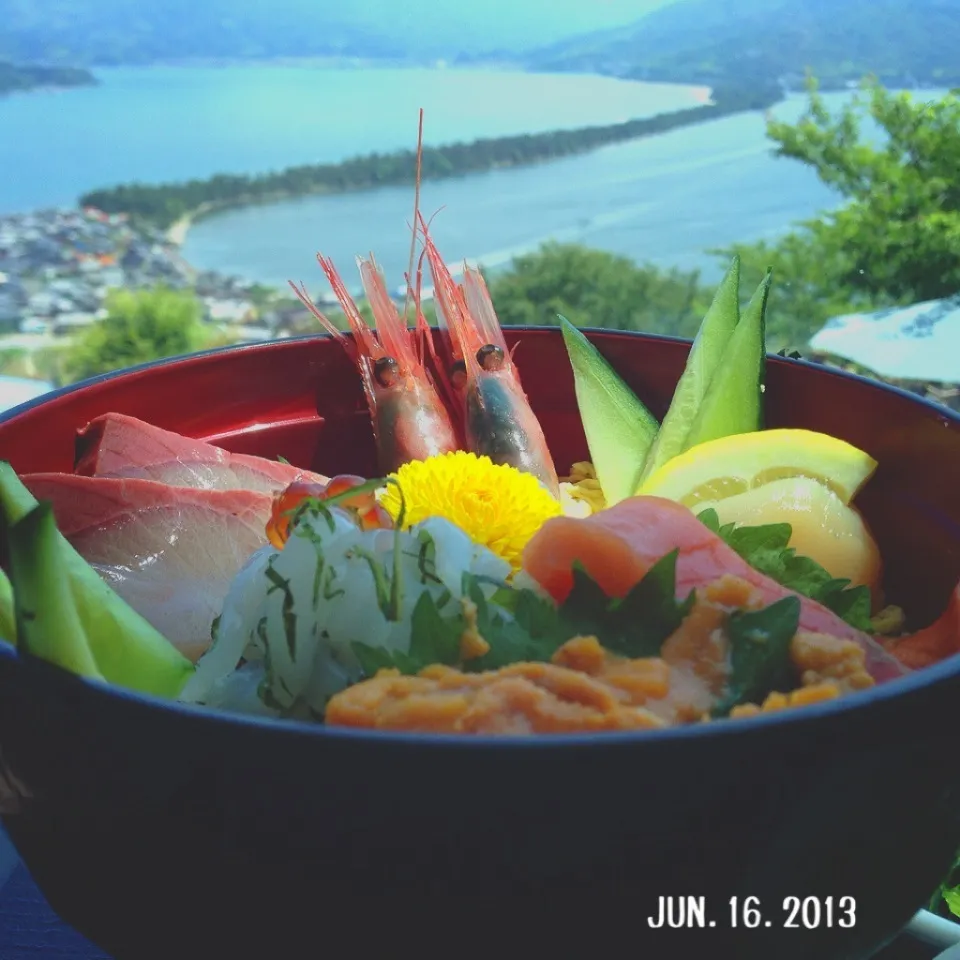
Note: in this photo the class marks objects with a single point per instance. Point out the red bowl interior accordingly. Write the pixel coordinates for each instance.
(302, 399)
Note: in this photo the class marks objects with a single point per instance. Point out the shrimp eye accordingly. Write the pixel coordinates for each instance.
(458, 373)
(490, 357)
(386, 370)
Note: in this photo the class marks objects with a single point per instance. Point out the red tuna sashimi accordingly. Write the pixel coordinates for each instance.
(115, 445)
(617, 546)
(170, 552)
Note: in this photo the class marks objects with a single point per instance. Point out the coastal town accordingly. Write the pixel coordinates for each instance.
(58, 266)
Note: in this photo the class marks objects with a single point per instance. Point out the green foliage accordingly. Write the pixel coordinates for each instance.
(592, 288)
(164, 204)
(520, 625)
(946, 901)
(15, 362)
(766, 549)
(140, 326)
(898, 235)
(895, 238)
(760, 653)
(807, 289)
(636, 625)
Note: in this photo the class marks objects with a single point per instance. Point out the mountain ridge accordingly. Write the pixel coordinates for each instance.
(127, 32)
(131, 32)
(703, 41)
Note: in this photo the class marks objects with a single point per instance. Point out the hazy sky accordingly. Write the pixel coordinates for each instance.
(494, 22)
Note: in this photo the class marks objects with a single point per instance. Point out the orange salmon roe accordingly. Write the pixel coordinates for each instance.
(369, 514)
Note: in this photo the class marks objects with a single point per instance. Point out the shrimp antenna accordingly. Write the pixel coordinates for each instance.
(416, 287)
(416, 215)
(425, 224)
(325, 322)
(415, 284)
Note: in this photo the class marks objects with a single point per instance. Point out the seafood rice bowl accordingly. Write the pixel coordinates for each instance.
(693, 637)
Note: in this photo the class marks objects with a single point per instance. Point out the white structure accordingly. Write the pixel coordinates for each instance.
(228, 311)
(919, 342)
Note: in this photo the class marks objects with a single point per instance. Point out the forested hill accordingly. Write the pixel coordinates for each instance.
(903, 42)
(112, 32)
(15, 78)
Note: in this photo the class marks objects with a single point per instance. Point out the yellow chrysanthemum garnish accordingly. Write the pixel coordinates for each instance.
(496, 505)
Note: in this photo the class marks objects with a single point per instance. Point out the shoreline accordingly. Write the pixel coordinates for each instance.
(177, 232)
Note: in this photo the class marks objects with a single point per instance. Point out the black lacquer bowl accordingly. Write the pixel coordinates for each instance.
(163, 831)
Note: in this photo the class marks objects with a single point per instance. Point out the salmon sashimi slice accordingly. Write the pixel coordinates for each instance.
(617, 547)
(169, 552)
(115, 445)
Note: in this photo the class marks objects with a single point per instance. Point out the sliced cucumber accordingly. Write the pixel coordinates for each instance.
(619, 428)
(48, 623)
(127, 650)
(8, 615)
(705, 356)
(733, 403)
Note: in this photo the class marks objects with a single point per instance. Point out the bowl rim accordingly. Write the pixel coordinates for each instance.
(930, 676)
(189, 359)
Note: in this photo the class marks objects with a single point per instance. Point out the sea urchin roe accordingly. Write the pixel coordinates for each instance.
(518, 699)
(828, 666)
(472, 644)
(782, 701)
(821, 658)
(640, 679)
(586, 687)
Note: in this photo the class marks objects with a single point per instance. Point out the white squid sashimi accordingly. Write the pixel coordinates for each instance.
(306, 605)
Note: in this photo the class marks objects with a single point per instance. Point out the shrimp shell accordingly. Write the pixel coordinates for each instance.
(410, 422)
(498, 420)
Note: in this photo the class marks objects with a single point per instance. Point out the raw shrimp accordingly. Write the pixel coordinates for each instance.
(409, 420)
(498, 421)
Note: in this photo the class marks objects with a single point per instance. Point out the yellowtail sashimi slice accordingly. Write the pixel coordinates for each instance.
(169, 552)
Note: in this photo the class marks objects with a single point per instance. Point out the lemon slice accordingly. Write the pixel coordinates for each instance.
(733, 465)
